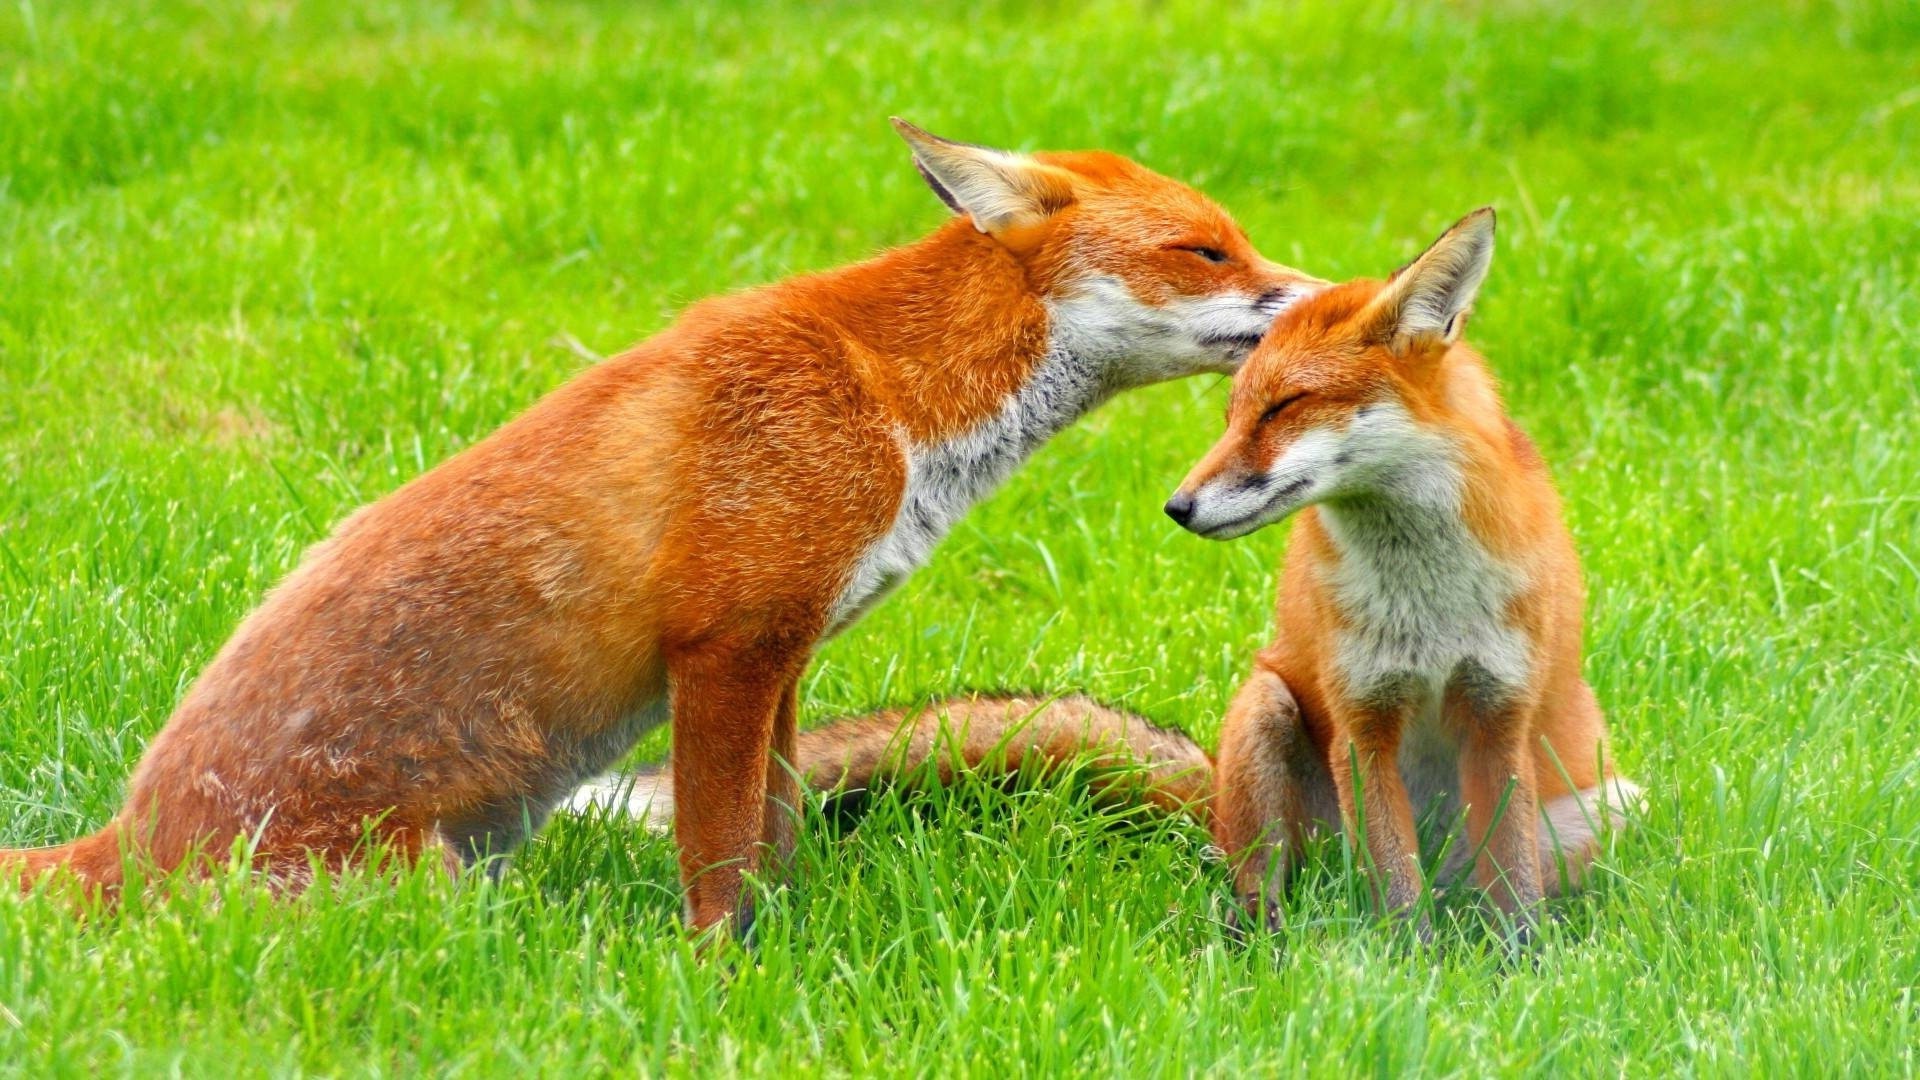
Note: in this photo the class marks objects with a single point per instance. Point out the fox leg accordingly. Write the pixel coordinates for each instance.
(725, 704)
(1269, 781)
(1374, 804)
(780, 830)
(1496, 767)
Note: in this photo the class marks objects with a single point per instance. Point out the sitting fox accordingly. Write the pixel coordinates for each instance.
(675, 530)
(1429, 621)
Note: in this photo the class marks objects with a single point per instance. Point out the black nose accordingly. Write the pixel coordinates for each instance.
(1274, 299)
(1180, 507)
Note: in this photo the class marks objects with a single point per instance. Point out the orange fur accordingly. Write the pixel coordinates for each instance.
(680, 524)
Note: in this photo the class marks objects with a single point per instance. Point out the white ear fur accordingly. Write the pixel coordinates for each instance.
(998, 190)
(1430, 296)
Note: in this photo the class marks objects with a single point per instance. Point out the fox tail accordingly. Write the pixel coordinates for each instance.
(91, 862)
(1138, 761)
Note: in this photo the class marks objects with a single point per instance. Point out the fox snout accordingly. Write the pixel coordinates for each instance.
(1225, 508)
(1277, 299)
(1228, 326)
(1261, 313)
(1235, 490)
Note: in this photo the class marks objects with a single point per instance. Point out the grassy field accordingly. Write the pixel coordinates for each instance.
(262, 263)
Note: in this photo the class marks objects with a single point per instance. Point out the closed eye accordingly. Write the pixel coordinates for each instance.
(1212, 255)
(1281, 406)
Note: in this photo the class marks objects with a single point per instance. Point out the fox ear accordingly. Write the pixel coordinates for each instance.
(1429, 297)
(998, 190)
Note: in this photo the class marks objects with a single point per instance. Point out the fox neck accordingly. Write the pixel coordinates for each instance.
(986, 370)
(1423, 573)
(952, 327)
(1451, 489)
(1441, 461)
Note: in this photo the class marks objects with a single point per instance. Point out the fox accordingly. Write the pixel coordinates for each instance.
(669, 535)
(1428, 628)
(1427, 649)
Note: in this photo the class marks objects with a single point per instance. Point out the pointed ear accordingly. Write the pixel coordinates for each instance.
(1429, 297)
(998, 190)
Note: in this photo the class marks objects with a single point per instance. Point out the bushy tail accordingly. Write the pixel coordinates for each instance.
(1139, 762)
(91, 862)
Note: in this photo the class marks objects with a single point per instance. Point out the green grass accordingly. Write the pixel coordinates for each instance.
(260, 264)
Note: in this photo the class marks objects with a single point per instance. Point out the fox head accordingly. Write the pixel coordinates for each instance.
(1139, 272)
(1346, 396)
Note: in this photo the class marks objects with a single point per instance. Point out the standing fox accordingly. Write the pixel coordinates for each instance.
(1429, 621)
(675, 530)
(1430, 610)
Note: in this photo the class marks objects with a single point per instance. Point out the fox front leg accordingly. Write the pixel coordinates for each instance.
(727, 706)
(1377, 811)
(1269, 781)
(1497, 783)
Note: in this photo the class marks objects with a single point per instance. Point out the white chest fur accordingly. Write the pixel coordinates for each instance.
(945, 478)
(1424, 603)
(1425, 609)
